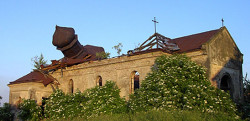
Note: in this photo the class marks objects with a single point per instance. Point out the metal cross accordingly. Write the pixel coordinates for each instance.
(222, 20)
(155, 23)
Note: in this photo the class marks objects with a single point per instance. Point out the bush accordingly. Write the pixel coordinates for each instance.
(61, 105)
(93, 102)
(176, 82)
(29, 110)
(104, 100)
(5, 113)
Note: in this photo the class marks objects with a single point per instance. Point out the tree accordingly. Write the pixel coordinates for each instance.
(118, 48)
(5, 113)
(176, 82)
(246, 87)
(38, 61)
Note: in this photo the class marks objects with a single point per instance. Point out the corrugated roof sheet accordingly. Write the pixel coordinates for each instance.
(34, 76)
(193, 42)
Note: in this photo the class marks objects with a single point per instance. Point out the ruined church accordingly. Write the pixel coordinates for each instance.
(81, 69)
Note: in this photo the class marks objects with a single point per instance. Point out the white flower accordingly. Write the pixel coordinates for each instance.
(205, 101)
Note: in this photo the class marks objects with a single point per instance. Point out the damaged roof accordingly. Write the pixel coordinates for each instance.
(35, 76)
(185, 44)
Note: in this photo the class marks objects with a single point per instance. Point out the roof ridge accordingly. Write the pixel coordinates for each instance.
(196, 33)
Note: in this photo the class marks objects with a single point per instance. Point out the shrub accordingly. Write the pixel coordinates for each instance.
(93, 102)
(176, 82)
(102, 55)
(29, 110)
(60, 105)
(104, 100)
(5, 113)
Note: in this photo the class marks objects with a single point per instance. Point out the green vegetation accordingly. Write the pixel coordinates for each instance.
(118, 48)
(163, 115)
(5, 113)
(176, 82)
(176, 89)
(38, 61)
(102, 55)
(29, 110)
(93, 102)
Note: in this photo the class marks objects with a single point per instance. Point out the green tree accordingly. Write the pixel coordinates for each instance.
(178, 83)
(5, 113)
(38, 61)
(118, 48)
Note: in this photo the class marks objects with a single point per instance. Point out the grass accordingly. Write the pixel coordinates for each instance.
(160, 116)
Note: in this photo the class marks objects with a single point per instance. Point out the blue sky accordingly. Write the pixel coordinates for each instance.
(27, 27)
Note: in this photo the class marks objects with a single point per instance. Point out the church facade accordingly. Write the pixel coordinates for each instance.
(80, 70)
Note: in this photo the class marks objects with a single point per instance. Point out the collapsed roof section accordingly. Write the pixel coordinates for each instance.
(67, 42)
(157, 41)
(74, 53)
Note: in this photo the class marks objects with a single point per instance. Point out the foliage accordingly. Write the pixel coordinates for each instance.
(118, 48)
(29, 110)
(38, 61)
(64, 106)
(176, 82)
(5, 113)
(246, 83)
(104, 100)
(93, 102)
(102, 55)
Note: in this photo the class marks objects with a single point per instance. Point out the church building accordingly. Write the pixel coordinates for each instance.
(81, 68)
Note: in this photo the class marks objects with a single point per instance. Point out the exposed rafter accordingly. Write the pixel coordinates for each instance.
(157, 41)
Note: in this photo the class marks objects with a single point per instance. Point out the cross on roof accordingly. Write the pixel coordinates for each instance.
(155, 23)
(222, 20)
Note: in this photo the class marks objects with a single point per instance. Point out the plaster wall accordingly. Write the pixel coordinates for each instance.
(29, 90)
(118, 69)
(225, 58)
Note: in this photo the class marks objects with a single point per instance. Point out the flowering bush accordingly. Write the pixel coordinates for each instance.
(29, 110)
(93, 102)
(104, 100)
(176, 82)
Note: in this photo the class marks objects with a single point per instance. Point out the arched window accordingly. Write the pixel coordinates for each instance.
(99, 81)
(71, 86)
(134, 81)
(226, 84)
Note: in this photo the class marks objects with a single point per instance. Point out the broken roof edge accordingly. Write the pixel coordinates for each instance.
(43, 78)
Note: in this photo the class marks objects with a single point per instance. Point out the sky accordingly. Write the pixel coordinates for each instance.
(27, 27)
